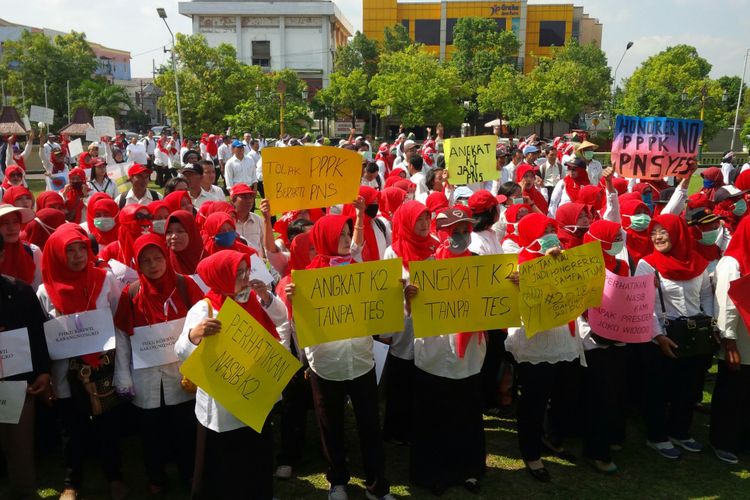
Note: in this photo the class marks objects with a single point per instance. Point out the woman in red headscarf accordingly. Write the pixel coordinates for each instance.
(713, 179)
(377, 233)
(593, 197)
(22, 260)
(447, 398)
(546, 361)
(19, 196)
(224, 468)
(635, 221)
(50, 199)
(44, 224)
(684, 289)
(14, 176)
(569, 187)
(435, 203)
(526, 177)
(730, 397)
(184, 242)
(391, 198)
(513, 214)
(165, 410)
(101, 219)
(75, 192)
(160, 211)
(73, 285)
(339, 242)
(219, 233)
(573, 220)
(180, 200)
(132, 221)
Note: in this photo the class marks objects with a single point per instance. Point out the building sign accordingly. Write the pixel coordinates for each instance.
(505, 10)
(343, 128)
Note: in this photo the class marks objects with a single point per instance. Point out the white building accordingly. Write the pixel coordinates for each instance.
(297, 34)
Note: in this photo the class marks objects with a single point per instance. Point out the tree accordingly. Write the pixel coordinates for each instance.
(656, 87)
(417, 88)
(360, 52)
(102, 98)
(480, 49)
(396, 38)
(347, 93)
(33, 59)
(506, 95)
(731, 84)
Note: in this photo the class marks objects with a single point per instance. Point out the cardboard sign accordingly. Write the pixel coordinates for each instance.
(80, 333)
(471, 159)
(12, 398)
(556, 290)
(298, 178)
(259, 270)
(153, 345)
(466, 294)
(57, 182)
(344, 302)
(41, 114)
(26, 123)
(655, 147)
(627, 310)
(124, 275)
(75, 148)
(118, 173)
(104, 126)
(739, 292)
(243, 367)
(15, 353)
(92, 135)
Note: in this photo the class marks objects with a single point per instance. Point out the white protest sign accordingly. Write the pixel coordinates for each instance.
(75, 148)
(104, 125)
(259, 271)
(26, 123)
(57, 182)
(92, 135)
(80, 333)
(41, 114)
(380, 351)
(118, 173)
(201, 284)
(12, 397)
(153, 345)
(123, 274)
(15, 352)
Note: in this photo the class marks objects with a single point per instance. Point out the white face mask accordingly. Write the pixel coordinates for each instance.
(616, 248)
(159, 226)
(104, 223)
(242, 296)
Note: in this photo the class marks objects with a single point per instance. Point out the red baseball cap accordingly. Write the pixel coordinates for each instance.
(138, 169)
(241, 188)
(481, 201)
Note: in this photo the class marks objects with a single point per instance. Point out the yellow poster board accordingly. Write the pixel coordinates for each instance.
(243, 367)
(556, 290)
(344, 302)
(296, 178)
(471, 159)
(465, 294)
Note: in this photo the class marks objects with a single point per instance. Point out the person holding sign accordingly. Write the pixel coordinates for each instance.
(377, 233)
(635, 221)
(545, 361)
(683, 291)
(232, 460)
(73, 285)
(133, 221)
(345, 368)
(156, 301)
(526, 177)
(101, 219)
(447, 386)
(20, 313)
(183, 242)
(219, 233)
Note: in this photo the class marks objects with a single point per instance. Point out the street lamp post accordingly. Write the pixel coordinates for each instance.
(614, 83)
(739, 101)
(281, 88)
(163, 15)
(704, 98)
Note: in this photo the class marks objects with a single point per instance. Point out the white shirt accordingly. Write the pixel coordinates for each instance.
(746, 166)
(150, 144)
(209, 412)
(107, 186)
(421, 193)
(728, 319)
(549, 346)
(508, 174)
(438, 356)
(551, 174)
(726, 170)
(225, 152)
(137, 153)
(255, 156)
(558, 198)
(213, 194)
(131, 199)
(252, 229)
(163, 159)
(402, 343)
(107, 299)
(240, 171)
(485, 243)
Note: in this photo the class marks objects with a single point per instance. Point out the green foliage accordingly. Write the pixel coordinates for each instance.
(506, 95)
(346, 93)
(34, 58)
(395, 39)
(101, 98)
(656, 87)
(360, 52)
(417, 88)
(732, 86)
(480, 49)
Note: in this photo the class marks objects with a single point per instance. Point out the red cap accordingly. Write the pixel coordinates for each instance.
(481, 201)
(501, 198)
(138, 169)
(98, 162)
(241, 188)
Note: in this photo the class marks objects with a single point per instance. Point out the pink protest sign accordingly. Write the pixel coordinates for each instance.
(626, 313)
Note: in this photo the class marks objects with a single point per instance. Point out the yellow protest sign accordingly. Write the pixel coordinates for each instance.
(471, 159)
(243, 367)
(556, 290)
(344, 302)
(466, 294)
(297, 178)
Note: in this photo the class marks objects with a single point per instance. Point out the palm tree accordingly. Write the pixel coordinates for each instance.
(103, 99)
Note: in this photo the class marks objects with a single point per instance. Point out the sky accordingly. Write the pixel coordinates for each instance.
(717, 28)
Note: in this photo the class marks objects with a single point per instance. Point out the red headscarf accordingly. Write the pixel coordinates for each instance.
(157, 300)
(19, 261)
(129, 229)
(74, 199)
(639, 243)
(739, 246)
(219, 273)
(605, 232)
(175, 198)
(742, 182)
(39, 230)
(592, 196)
(212, 227)
(47, 198)
(370, 251)
(725, 210)
(567, 215)
(435, 202)
(620, 184)
(223, 207)
(12, 169)
(203, 212)
(531, 228)
(282, 224)
(682, 262)
(390, 199)
(531, 192)
(715, 176)
(157, 205)
(186, 261)
(211, 147)
(511, 218)
(406, 185)
(13, 193)
(406, 243)
(325, 239)
(573, 186)
(299, 252)
(101, 202)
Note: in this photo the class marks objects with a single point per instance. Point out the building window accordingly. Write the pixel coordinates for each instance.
(500, 23)
(427, 31)
(405, 24)
(551, 33)
(450, 25)
(262, 53)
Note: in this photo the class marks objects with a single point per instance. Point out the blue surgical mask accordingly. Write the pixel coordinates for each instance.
(225, 239)
(548, 241)
(740, 207)
(640, 222)
(709, 237)
(708, 184)
(616, 248)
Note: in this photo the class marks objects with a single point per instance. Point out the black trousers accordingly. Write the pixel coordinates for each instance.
(297, 401)
(168, 432)
(490, 373)
(602, 389)
(234, 464)
(398, 377)
(99, 436)
(542, 385)
(330, 400)
(730, 409)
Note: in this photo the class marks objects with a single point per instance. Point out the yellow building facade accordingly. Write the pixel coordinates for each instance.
(538, 28)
